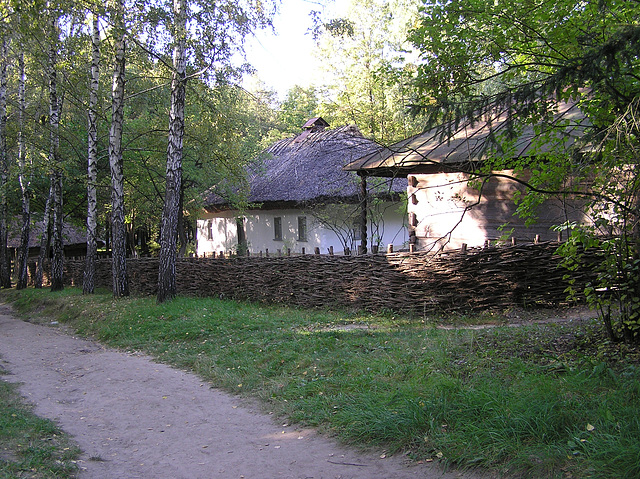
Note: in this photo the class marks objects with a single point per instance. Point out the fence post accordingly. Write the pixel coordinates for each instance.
(316, 250)
(330, 250)
(390, 248)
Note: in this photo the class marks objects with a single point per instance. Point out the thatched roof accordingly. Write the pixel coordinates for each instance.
(71, 234)
(308, 168)
(452, 147)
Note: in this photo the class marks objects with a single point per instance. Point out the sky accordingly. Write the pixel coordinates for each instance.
(285, 58)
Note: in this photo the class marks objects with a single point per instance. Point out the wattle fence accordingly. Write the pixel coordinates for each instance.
(527, 275)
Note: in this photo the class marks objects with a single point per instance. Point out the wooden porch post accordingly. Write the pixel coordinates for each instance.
(362, 249)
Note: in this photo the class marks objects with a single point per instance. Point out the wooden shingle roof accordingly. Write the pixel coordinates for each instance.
(453, 147)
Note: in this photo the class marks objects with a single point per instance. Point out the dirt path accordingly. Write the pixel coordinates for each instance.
(136, 419)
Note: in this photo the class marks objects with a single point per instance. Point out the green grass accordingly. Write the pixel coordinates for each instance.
(29, 445)
(537, 401)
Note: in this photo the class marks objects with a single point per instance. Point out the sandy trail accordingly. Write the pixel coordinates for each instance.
(136, 419)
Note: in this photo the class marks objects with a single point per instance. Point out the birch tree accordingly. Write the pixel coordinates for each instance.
(5, 265)
(88, 285)
(170, 212)
(219, 29)
(118, 231)
(45, 238)
(23, 177)
(57, 282)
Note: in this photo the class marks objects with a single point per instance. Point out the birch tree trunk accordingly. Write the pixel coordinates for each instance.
(118, 231)
(45, 238)
(57, 261)
(25, 183)
(182, 230)
(168, 235)
(5, 264)
(88, 282)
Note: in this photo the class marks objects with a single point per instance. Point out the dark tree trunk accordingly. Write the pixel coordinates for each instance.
(243, 246)
(362, 249)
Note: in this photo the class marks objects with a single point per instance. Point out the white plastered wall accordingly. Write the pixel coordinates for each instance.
(260, 231)
(437, 215)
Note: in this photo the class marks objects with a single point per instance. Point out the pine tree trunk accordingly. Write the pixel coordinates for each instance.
(118, 231)
(88, 283)
(168, 234)
(25, 183)
(5, 264)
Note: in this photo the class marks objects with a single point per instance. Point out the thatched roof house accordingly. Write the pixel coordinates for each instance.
(298, 178)
(74, 239)
(444, 211)
(308, 168)
(456, 147)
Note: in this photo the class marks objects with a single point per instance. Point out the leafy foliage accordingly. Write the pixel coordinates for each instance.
(368, 69)
(224, 124)
(519, 59)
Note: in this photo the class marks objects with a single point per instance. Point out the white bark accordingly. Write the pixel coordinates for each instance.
(25, 182)
(44, 239)
(88, 284)
(171, 210)
(5, 265)
(57, 261)
(118, 231)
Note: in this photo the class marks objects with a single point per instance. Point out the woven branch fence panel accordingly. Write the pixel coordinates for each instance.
(418, 283)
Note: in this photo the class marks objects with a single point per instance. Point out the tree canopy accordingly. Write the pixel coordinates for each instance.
(366, 78)
(521, 58)
(452, 61)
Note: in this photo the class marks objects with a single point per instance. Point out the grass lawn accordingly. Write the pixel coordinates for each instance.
(31, 446)
(546, 400)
